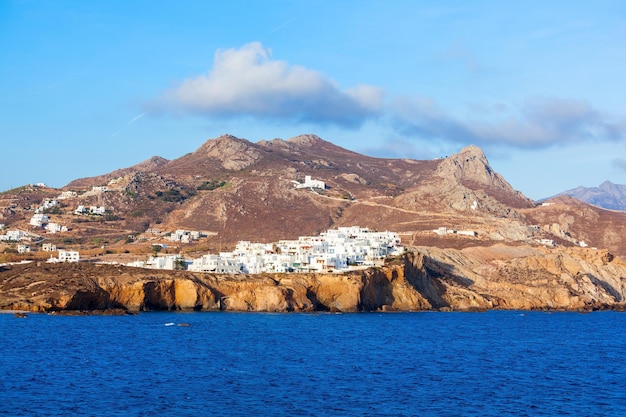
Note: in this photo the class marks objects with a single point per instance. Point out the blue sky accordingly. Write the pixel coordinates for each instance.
(92, 86)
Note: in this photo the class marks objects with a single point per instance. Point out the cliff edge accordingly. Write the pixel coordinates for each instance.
(426, 279)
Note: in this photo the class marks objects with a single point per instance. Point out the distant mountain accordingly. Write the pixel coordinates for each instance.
(607, 195)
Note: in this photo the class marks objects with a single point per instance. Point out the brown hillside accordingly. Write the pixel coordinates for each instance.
(234, 189)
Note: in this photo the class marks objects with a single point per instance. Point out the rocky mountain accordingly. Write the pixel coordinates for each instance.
(233, 189)
(607, 195)
(473, 242)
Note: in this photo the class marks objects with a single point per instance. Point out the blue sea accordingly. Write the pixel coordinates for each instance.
(368, 364)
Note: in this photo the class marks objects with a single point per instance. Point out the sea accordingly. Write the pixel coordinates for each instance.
(496, 363)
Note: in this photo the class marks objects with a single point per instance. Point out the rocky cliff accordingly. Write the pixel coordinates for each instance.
(426, 279)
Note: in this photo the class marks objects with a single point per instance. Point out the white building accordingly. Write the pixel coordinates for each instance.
(48, 247)
(166, 262)
(216, 264)
(184, 236)
(98, 211)
(311, 183)
(22, 248)
(68, 256)
(46, 205)
(67, 194)
(99, 189)
(442, 231)
(38, 220)
(55, 228)
(80, 210)
(14, 235)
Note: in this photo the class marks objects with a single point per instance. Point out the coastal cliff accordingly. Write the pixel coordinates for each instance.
(425, 279)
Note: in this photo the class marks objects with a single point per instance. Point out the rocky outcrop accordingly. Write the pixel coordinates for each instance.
(233, 153)
(497, 277)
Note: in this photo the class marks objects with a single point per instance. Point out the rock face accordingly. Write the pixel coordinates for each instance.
(497, 277)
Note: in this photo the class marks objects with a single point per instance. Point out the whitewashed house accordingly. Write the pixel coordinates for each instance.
(38, 220)
(14, 235)
(68, 256)
(183, 236)
(80, 210)
(97, 211)
(22, 248)
(67, 194)
(170, 262)
(311, 183)
(46, 205)
(216, 264)
(55, 228)
(48, 247)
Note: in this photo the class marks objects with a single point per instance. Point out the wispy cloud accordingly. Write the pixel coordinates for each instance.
(279, 27)
(248, 82)
(537, 122)
(134, 119)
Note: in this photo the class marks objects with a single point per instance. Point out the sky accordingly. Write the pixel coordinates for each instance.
(88, 87)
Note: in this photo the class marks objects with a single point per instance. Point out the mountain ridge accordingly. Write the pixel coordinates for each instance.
(234, 189)
(607, 195)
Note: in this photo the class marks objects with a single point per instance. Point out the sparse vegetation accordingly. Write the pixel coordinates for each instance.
(109, 217)
(53, 210)
(211, 185)
(171, 196)
(130, 194)
(137, 213)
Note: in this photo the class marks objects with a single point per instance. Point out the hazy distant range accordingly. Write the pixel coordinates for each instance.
(607, 195)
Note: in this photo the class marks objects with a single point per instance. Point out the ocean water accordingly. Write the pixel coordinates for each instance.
(368, 364)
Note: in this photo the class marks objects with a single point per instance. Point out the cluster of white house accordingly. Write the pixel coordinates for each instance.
(334, 250)
(46, 205)
(95, 210)
(41, 220)
(185, 236)
(15, 236)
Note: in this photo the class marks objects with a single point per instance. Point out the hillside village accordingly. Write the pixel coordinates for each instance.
(337, 250)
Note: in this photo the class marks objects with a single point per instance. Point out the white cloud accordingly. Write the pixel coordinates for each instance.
(538, 122)
(248, 82)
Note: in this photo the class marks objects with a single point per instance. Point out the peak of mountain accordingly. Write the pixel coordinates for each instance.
(471, 168)
(470, 163)
(232, 152)
(306, 140)
(607, 195)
